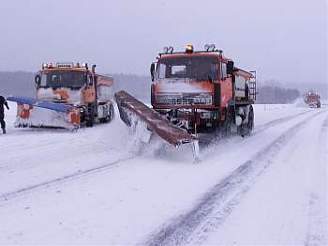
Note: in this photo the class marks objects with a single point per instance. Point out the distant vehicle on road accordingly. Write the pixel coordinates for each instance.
(312, 99)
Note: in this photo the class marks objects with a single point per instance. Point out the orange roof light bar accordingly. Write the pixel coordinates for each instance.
(64, 65)
(189, 48)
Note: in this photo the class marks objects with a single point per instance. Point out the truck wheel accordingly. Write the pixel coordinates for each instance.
(225, 130)
(110, 115)
(246, 128)
(250, 123)
(89, 122)
(106, 119)
(90, 116)
(111, 112)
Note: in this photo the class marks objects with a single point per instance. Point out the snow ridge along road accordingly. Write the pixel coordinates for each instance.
(124, 204)
(8, 195)
(218, 203)
(78, 174)
(23, 191)
(317, 231)
(275, 122)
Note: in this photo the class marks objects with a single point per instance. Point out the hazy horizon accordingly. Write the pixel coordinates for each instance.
(282, 40)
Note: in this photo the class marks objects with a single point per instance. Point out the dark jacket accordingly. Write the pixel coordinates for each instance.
(3, 103)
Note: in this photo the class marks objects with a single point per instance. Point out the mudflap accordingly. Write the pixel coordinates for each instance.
(132, 110)
(195, 150)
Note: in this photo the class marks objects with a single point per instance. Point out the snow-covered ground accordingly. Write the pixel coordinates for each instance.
(98, 185)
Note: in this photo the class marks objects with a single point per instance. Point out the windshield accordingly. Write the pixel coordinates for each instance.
(193, 67)
(56, 79)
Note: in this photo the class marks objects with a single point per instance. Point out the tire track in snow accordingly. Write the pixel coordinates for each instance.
(13, 194)
(278, 121)
(75, 175)
(317, 228)
(223, 197)
(266, 126)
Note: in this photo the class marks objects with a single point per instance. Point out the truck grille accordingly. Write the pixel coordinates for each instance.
(200, 99)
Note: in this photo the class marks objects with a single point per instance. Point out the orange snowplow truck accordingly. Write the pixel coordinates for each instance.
(202, 91)
(193, 92)
(68, 95)
(312, 99)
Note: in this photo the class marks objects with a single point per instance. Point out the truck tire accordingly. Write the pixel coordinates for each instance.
(89, 122)
(247, 128)
(226, 126)
(250, 123)
(90, 117)
(106, 119)
(110, 115)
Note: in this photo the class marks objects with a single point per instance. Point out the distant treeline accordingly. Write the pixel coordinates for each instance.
(138, 86)
(275, 94)
(17, 83)
(22, 84)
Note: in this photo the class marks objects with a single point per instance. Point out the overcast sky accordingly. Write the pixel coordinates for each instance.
(284, 40)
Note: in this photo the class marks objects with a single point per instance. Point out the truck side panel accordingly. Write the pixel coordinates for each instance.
(226, 92)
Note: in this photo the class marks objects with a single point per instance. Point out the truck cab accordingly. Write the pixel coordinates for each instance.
(200, 89)
(66, 83)
(77, 85)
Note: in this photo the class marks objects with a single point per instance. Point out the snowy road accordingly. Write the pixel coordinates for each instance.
(91, 186)
(292, 209)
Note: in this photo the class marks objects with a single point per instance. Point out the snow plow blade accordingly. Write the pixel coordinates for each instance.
(129, 107)
(38, 113)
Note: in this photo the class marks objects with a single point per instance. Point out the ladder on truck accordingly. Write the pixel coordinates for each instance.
(252, 86)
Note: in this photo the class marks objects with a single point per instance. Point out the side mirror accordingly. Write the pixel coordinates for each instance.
(37, 80)
(89, 80)
(152, 71)
(94, 68)
(230, 67)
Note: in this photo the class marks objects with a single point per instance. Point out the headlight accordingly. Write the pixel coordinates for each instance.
(204, 99)
(185, 100)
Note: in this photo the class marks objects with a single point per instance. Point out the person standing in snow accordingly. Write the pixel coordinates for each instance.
(3, 103)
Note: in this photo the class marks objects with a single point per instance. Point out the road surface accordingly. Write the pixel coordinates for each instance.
(100, 185)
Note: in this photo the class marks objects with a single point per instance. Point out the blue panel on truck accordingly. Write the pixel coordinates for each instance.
(22, 100)
(59, 107)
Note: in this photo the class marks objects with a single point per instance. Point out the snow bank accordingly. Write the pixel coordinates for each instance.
(124, 203)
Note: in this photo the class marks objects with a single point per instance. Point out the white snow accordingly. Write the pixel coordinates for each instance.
(290, 200)
(174, 86)
(91, 187)
(74, 96)
(45, 117)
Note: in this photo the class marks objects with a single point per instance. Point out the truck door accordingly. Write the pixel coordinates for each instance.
(226, 85)
(89, 93)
